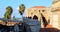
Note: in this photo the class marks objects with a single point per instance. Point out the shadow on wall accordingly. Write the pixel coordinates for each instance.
(45, 23)
(48, 27)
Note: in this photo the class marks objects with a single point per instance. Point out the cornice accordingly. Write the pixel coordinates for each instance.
(55, 2)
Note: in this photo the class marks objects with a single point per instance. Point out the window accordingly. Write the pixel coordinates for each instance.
(43, 10)
(30, 17)
(39, 10)
(35, 17)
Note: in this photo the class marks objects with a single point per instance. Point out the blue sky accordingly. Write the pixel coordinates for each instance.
(15, 4)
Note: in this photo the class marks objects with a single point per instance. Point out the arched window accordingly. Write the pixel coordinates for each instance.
(30, 17)
(43, 10)
(39, 10)
(35, 17)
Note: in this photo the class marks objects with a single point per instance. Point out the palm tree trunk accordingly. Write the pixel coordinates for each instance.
(22, 18)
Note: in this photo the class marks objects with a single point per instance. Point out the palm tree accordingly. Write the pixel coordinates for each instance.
(8, 13)
(21, 9)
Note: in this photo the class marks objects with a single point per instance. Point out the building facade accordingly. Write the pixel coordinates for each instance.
(55, 14)
(50, 13)
(36, 11)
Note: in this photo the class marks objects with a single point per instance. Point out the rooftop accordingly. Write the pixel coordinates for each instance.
(39, 7)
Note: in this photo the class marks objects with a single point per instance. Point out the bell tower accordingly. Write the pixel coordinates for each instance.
(55, 14)
(55, 1)
(55, 4)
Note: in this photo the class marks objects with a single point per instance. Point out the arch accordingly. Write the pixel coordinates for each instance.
(30, 17)
(35, 17)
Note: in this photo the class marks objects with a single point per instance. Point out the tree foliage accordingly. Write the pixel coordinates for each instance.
(21, 9)
(8, 12)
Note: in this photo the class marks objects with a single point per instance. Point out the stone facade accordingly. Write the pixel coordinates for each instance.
(55, 14)
(36, 11)
(51, 13)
